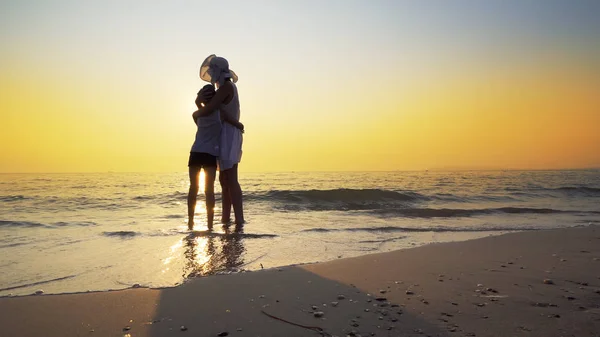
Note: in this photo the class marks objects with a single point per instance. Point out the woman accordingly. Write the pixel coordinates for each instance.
(216, 71)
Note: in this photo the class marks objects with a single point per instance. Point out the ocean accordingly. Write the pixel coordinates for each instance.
(65, 233)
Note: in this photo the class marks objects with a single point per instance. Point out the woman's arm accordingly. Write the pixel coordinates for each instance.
(214, 103)
(233, 122)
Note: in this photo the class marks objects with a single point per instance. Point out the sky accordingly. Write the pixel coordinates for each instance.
(328, 85)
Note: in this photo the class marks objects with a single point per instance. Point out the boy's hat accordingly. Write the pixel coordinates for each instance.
(215, 69)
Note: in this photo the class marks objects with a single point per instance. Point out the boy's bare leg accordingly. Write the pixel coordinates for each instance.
(192, 195)
(209, 192)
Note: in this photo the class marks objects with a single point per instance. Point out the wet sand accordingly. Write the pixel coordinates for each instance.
(538, 283)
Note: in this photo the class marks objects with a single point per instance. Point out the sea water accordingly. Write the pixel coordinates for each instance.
(88, 232)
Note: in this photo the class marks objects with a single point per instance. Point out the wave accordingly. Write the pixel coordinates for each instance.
(11, 198)
(162, 197)
(79, 223)
(544, 192)
(195, 234)
(22, 224)
(10, 245)
(384, 240)
(458, 213)
(472, 198)
(392, 229)
(341, 199)
(342, 194)
(174, 216)
(31, 224)
(579, 189)
(132, 234)
(304, 197)
(121, 234)
(37, 283)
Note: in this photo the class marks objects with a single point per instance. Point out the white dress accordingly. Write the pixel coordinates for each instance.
(231, 137)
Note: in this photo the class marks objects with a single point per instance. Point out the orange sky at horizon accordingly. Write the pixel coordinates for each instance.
(64, 110)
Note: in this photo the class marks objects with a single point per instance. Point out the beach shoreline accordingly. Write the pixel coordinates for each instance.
(493, 286)
(241, 271)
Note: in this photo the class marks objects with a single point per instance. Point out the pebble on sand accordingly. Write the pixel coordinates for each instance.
(318, 314)
(341, 297)
(548, 281)
(409, 292)
(183, 328)
(223, 334)
(39, 292)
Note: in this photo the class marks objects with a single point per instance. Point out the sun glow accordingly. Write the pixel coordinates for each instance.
(114, 98)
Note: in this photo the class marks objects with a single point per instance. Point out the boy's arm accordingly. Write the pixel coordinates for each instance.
(213, 104)
(204, 96)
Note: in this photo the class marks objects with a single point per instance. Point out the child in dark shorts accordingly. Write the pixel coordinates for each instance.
(203, 155)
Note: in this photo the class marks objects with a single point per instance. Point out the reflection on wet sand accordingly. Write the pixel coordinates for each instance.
(209, 253)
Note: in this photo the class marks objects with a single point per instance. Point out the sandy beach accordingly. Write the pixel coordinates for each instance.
(537, 283)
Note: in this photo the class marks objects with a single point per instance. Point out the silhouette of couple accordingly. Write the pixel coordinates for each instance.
(218, 143)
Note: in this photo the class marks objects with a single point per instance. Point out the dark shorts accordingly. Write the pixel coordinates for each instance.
(201, 159)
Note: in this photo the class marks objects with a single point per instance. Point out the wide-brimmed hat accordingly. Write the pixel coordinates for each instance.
(215, 69)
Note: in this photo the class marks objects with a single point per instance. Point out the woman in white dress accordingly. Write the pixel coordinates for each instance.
(216, 71)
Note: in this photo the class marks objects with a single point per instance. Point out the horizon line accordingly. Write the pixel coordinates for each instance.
(326, 171)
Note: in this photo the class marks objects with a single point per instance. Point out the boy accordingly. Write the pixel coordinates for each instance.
(203, 155)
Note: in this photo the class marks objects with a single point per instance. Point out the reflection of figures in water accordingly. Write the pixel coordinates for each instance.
(209, 253)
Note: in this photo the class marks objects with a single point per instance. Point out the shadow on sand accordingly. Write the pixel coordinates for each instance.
(235, 304)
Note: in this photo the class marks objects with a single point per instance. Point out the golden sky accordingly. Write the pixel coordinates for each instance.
(347, 85)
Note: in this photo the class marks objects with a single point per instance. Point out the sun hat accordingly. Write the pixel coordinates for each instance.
(215, 69)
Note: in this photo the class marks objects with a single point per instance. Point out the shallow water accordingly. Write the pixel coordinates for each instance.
(79, 232)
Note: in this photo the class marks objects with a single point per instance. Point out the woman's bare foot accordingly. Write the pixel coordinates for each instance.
(191, 225)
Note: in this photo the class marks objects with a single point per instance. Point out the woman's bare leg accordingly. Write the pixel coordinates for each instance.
(192, 195)
(209, 193)
(225, 197)
(235, 191)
